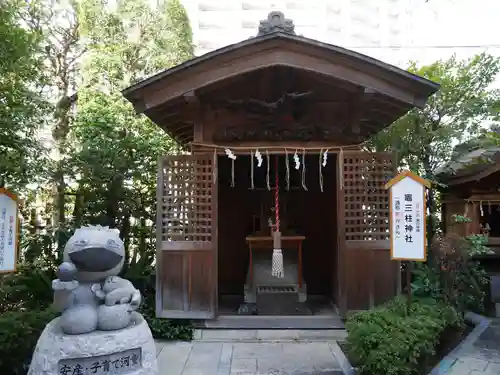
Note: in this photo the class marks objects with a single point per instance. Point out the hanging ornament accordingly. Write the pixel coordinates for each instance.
(304, 170)
(232, 172)
(277, 266)
(259, 158)
(268, 161)
(287, 165)
(296, 160)
(230, 154)
(481, 208)
(252, 182)
(322, 163)
(325, 157)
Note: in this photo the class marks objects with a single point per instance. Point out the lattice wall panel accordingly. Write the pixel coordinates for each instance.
(186, 207)
(366, 200)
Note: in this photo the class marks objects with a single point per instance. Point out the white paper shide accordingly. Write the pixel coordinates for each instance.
(407, 221)
(8, 233)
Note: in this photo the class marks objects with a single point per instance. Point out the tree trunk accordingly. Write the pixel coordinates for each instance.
(114, 196)
(78, 208)
(60, 207)
(125, 235)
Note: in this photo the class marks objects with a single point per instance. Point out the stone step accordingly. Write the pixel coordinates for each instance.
(297, 322)
(268, 335)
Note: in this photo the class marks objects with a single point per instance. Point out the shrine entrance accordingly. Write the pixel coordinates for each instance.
(277, 110)
(306, 202)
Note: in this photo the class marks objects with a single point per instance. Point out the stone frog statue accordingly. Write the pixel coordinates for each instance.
(88, 291)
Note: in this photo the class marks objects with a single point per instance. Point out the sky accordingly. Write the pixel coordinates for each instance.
(439, 27)
(455, 23)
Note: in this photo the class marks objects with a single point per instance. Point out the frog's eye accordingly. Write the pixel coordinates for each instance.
(111, 244)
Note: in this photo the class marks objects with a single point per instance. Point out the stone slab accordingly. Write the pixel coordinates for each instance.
(173, 357)
(241, 358)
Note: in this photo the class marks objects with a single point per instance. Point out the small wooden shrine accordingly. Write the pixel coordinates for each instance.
(472, 190)
(274, 201)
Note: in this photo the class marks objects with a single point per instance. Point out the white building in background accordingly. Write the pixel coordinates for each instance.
(367, 26)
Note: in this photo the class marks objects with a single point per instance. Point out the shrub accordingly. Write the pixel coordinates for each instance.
(30, 288)
(452, 275)
(19, 333)
(161, 328)
(388, 341)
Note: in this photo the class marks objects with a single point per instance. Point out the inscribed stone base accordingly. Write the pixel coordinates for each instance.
(128, 351)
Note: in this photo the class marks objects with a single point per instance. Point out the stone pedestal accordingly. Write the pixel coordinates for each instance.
(128, 351)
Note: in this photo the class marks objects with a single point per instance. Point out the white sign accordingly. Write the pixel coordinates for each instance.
(408, 210)
(8, 231)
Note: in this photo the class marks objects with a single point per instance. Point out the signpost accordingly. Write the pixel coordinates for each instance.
(9, 231)
(407, 221)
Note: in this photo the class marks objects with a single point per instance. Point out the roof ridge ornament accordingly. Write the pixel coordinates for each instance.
(276, 22)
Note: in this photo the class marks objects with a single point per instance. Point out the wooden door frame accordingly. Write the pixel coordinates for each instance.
(215, 235)
(159, 224)
(213, 277)
(341, 241)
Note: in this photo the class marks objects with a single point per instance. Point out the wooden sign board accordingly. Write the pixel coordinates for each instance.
(408, 217)
(9, 231)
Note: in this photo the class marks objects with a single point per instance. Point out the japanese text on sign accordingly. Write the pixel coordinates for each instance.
(113, 364)
(8, 231)
(407, 219)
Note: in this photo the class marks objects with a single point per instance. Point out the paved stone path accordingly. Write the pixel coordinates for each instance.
(249, 358)
(481, 356)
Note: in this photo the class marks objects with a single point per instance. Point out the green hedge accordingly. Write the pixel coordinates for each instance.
(388, 341)
(165, 329)
(19, 333)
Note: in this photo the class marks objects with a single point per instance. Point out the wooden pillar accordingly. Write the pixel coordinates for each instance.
(341, 239)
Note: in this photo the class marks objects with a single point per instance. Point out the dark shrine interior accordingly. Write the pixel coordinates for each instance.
(243, 211)
(490, 217)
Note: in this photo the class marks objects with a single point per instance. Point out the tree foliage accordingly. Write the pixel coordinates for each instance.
(63, 65)
(133, 40)
(424, 139)
(22, 109)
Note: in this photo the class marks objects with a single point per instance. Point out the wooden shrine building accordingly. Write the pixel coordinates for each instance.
(472, 189)
(272, 128)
